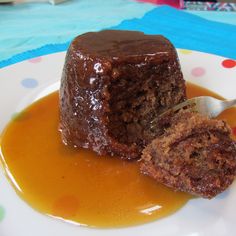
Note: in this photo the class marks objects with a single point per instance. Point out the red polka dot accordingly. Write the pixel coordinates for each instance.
(228, 63)
(234, 130)
(35, 60)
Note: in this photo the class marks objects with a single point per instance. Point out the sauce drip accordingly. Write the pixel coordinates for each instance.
(76, 184)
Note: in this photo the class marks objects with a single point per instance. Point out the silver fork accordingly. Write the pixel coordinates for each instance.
(204, 105)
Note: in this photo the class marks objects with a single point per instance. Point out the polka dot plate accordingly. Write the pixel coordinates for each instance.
(25, 82)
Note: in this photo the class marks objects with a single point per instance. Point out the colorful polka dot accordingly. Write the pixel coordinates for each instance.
(29, 83)
(198, 71)
(185, 51)
(65, 206)
(2, 213)
(19, 116)
(35, 60)
(228, 63)
(16, 116)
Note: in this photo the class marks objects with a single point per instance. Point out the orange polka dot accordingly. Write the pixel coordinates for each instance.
(228, 63)
(65, 206)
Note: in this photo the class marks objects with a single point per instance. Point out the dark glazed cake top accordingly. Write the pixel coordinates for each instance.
(114, 43)
(113, 84)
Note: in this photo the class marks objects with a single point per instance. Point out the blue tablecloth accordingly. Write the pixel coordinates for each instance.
(30, 30)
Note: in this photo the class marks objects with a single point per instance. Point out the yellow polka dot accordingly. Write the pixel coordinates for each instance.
(185, 51)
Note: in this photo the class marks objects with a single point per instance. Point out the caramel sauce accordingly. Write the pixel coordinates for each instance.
(76, 184)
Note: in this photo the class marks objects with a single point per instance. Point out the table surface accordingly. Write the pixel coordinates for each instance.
(29, 26)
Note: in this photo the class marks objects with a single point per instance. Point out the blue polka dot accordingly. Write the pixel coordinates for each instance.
(29, 83)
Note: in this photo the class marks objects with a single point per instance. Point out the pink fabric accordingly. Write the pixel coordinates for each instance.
(173, 3)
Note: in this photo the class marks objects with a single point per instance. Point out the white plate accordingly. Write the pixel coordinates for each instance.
(25, 82)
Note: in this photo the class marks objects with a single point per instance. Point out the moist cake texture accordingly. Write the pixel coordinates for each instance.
(113, 84)
(195, 154)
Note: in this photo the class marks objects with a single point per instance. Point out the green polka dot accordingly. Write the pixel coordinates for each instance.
(19, 116)
(2, 213)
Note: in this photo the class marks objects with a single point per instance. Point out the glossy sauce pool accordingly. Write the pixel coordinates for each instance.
(76, 184)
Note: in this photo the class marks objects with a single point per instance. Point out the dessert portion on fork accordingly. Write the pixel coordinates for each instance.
(194, 154)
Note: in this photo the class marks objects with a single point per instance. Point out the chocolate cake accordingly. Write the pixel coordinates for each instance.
(113, 84)
(195, 154)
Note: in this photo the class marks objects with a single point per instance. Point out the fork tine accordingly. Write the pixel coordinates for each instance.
(187, 104)
(205, 105)
(190, 104)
